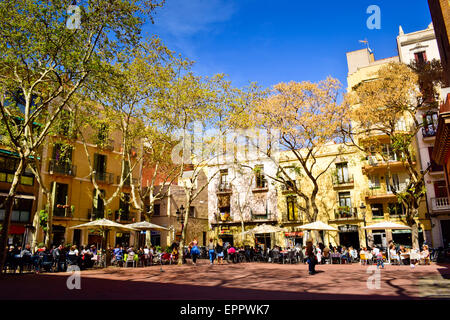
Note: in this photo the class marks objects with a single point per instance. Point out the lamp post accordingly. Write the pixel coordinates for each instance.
(180, 217)
(363, 211)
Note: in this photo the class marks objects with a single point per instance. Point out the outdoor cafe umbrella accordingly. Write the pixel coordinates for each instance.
(264, 228)
(103, 225)
(387, 225)
(317, 225)
(145, 225)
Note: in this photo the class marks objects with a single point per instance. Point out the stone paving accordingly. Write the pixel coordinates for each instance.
(236, 281)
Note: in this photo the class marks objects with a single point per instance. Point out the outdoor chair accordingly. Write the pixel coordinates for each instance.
(291, 257)
(362, 258)
(130, 260)
(276, 256)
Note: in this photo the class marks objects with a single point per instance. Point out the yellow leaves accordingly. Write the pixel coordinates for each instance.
(305, 113)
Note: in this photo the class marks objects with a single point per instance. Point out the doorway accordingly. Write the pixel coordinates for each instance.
(58, 235)
(264, 239)
(445, 227)
(349, 239)
(228, 239)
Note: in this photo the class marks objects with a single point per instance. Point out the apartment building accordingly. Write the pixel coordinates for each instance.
(379, 201)
(241, 196)
(421, 46)
(66, 173)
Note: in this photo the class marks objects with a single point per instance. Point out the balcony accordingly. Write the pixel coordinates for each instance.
(223, 217)
(376, 165)
(224, 188)
(104, 177)
(343, 182)
(62, 211)
(94, 214)
(261, 186)
(345, 213)
(435, 168)
(106, 144)
(61, 168)
(428, 132)
(128, 182)
(384, 193)
(440, 204)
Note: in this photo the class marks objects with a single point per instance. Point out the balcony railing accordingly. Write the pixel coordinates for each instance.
(345, 213)
(62, 168)
(62, 211)
(385, 191)
(435, 167)
(428, 132)
(104, 177)
(339, 181)
(261, 185)
(94, 214)
(224, 187)
(127, 182)
(439, 204)
(107, 144)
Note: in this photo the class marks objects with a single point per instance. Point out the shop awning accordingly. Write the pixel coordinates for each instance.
(16, 229)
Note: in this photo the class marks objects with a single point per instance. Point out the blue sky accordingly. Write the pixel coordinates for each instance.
(283, 40)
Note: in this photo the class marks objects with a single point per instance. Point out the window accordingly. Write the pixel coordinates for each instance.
(8, 166)
(389, 153)
(374, 182)
(157, 209)
(98, 206)
(21, 210)
(420, 57)
(396, 209)
(192, 212)
(259, 175)
(345, 202)
(393, 184)
(440, 189)
(124, 207)
(430, 121)
(291, 208)
(377, 210)
(60, 205)
(342, 173)
(434, 166)
(224, 178)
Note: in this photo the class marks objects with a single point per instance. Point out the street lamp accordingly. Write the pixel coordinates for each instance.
(363, 211)
(180, 217)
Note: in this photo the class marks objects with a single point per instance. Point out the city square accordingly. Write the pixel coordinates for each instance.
(245, 281)
(223, 150)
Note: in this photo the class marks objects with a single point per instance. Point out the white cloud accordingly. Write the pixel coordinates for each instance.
(183, 18)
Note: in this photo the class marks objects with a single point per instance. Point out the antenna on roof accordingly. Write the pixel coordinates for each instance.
(366, 42)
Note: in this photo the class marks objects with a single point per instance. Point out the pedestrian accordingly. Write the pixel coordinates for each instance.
(219, 251)
(211, 251)
(311, 257)
(195, 251)
(319, 254)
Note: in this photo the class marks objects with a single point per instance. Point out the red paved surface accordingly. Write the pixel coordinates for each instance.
(232, 282)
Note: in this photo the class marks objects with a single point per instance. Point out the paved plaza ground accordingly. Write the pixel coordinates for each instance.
(233, 282)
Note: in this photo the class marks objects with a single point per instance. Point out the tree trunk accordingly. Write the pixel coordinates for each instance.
(183, 234)
(9, 203)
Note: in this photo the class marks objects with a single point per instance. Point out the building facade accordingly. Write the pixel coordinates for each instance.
(379, 201)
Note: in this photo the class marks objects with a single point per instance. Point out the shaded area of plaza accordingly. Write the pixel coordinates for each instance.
(233, 282)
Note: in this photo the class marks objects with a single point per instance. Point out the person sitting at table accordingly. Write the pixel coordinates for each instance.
(353, 254)
(363, 255)
(393, 254)
(319, 254)
(345, 255)
(326, 253)
(425, 255)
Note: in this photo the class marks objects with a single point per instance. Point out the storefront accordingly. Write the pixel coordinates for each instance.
(226, 235)
(263, 239)
(293, 238)
(349, 236)
(123, 239)
(155, 238)
(404, 238)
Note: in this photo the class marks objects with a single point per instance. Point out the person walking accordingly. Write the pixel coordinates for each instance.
(219, 251)
(195, 251)
(311, 257)
(211, 251)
